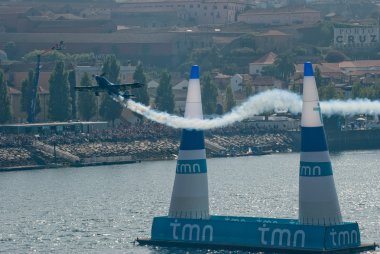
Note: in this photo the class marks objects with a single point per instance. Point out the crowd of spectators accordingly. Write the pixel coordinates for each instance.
(149, 140)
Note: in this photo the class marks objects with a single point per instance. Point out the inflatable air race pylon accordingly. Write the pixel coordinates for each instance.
(318, 200)
(319, 228)
(190, 190)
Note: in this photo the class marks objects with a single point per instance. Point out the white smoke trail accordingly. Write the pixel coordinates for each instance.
(350, 107)
(274, 100)
(269, 101)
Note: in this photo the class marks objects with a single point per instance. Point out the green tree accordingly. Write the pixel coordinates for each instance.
(26, 94)
(141, 93)
(110, 109)
(208, 58)
(59, 103)
(86, 100)
(229, 101)
(355, 92)
(376, 91)
(318, 77)
(165, 97)
(247, 89)
(5, 112)
(361, 91)
(270, 70)
(209, 94)
(11, 50)
(335, 56)
(329, 92)
(285, 66)
(73, 94)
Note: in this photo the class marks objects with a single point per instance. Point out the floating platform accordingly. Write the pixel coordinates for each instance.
(256, 234)
(147, 241)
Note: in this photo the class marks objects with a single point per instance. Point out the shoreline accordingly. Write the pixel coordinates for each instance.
(82, 152)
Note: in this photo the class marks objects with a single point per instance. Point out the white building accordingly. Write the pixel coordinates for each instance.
(152, 88)
(236, 82)
(180, 94)
(200, 11)
(239, 80)
(257, 67)
(281, 16)
(264, 83)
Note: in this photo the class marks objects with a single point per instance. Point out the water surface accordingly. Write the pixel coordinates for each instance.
(103, 209)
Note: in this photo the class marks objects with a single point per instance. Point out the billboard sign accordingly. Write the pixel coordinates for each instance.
(356, 37)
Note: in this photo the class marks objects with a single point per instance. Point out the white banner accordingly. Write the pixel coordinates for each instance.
(356, 37)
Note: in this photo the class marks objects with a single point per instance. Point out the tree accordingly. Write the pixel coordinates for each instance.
(11, 50)
(86, 100)
(73, 84)
(335, 56)
(270, 70)
(219, 109)
(376, 91)
(26, 94)
(229, 101)
(318, 77)
(209, 94)
(165, 97)
(329, 92)
(247, 89)
(59, 103)
(5, 112)
(208, 58)
(110, 109)
(285, 66)
(355, 92)
(141, 93)
(361, 91)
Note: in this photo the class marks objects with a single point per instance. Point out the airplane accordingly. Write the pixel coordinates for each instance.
(104, 85)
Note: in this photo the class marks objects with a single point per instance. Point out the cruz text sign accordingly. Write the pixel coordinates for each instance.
(356, 37)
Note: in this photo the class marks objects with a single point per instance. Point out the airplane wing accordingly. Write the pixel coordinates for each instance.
(89, 88)
(132, 85)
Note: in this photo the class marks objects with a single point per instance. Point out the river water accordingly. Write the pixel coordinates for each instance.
(103, 209)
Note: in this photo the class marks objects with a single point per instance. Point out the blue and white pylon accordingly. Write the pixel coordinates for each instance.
(318, 200)
(190, 191)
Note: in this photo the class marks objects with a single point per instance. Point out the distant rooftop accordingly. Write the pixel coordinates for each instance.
(268, 59)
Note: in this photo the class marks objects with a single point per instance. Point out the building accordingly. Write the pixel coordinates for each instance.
(222, 81)
(264, 83)
(197, 11)
(345, 72)
(180, 94)
(137, 45)
(239, 81)
(152, 89)
(280, 17)
(257, 67)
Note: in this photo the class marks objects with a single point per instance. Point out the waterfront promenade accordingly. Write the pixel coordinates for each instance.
(147, 141)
